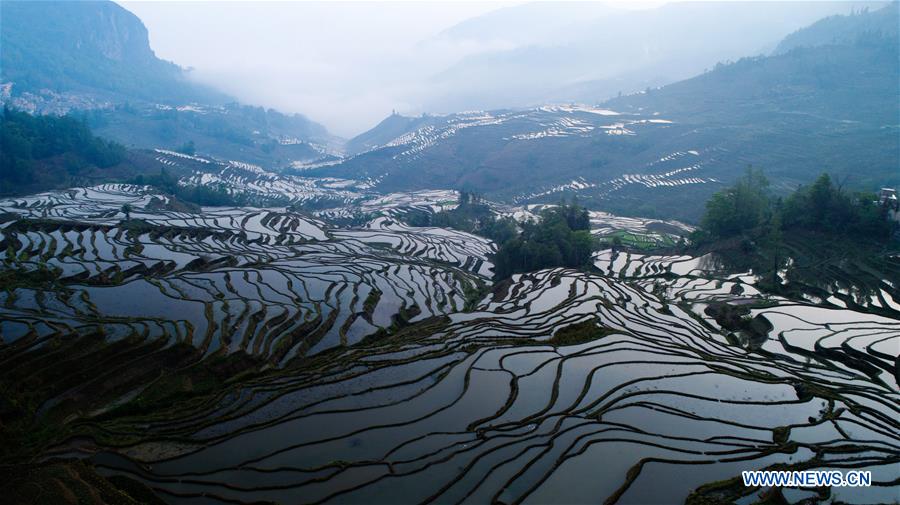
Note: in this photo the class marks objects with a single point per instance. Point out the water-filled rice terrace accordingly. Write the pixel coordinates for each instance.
(264, 281)
(386, 367)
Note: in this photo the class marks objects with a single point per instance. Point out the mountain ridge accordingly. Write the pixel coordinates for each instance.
(634, 48)
(93, 48)
(94, 58)
(829, 107)
(837, 30)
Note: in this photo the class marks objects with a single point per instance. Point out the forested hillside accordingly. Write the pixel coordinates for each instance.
(232, 131)
(662, 152)
(94, 57)
(47, 152)
(852, 82)
(835, 30)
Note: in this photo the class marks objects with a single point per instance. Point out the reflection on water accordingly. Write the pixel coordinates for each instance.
(379, 388)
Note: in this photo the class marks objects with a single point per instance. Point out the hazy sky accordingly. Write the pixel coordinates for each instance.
(349, 64)
(344, 64)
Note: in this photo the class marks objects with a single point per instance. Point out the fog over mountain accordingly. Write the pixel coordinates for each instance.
(472, 253)
(344, 64)
(349, 65)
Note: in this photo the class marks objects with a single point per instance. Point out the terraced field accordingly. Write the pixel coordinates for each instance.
(386, 367)
(264, 281)
(258, 184)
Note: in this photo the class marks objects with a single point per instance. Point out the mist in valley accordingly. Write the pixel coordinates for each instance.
(348, 65)
(434, 252)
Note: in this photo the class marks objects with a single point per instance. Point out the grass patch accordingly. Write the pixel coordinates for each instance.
(579, 333)
(640, 241)
(74, 481)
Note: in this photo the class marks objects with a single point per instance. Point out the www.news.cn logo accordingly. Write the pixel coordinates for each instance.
(807, 478)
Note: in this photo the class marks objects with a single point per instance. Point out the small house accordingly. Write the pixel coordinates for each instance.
(888, 198)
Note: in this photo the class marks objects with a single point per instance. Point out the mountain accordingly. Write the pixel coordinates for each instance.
(573, 52)
(529, 155)
(232, 131)
(387, 130)
(94, 49)
(95, 56)
(48, 152)
(38, 153)
(836, 30)
(664, 151)
(504, 25)
(840, 68)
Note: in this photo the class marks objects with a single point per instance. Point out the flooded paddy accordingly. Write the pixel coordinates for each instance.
(393, 371)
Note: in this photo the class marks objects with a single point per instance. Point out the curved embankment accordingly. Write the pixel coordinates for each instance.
(269, 282)
(487, 405)
(560, 385)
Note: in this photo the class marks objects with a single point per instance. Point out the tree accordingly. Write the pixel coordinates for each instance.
(740, 208)
(500, 230)
(616, 243)
(26, 141)
(747, 209)
(560, 238)
(774, 242)
(126, 209)
(187, 148)
(825, 208)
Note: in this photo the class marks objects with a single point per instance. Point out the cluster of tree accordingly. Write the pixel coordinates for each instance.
(26, 140)
(560, 238)
(471, 215)
(750, 209)
(501, 229)
(205, 195)
(739, 209)
(826, 208)
(187, 148)
(752, 229)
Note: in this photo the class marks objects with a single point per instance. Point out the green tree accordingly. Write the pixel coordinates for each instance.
(740, 208)
(500, 230)
(187, 148)
(774, 243)
(822, 208)
(825, 208)
(30, 143)
(560, 238)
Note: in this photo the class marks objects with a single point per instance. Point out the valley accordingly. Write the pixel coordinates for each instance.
(622, 256)
(306, 361)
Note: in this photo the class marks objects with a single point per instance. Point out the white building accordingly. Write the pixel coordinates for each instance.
(888, 197)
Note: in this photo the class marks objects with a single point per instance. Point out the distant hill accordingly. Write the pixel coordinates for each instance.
(232, 131)
(842, 30)
(591, 52)
(854, 80)
(830, 108)
(387, 130)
